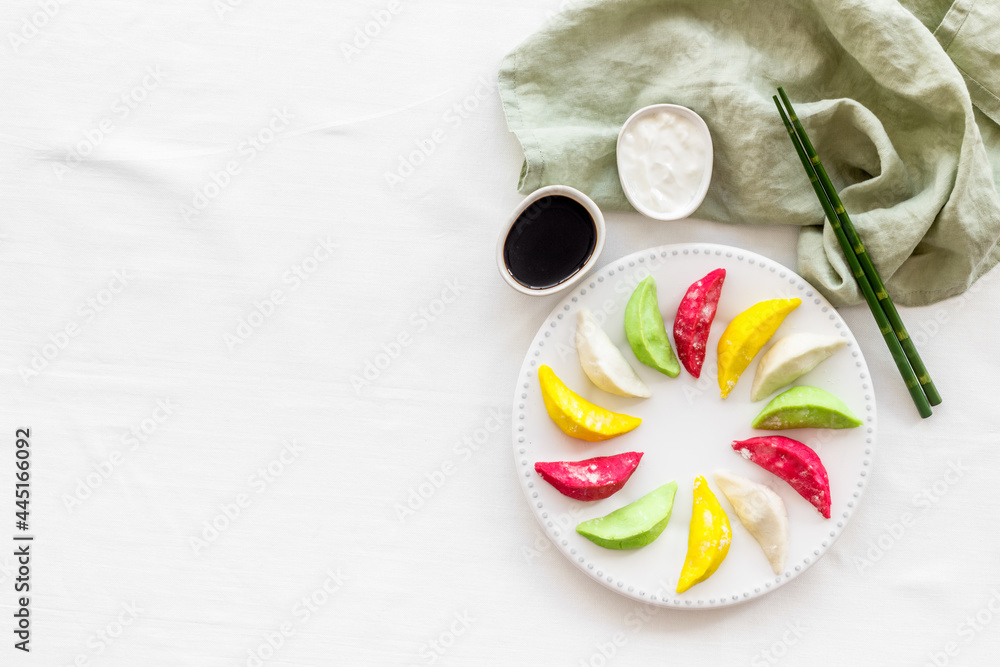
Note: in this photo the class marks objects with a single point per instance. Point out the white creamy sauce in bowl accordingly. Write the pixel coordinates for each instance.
(665, 161)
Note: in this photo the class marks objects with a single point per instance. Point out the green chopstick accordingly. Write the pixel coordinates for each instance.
(895, 348)
(855, 247)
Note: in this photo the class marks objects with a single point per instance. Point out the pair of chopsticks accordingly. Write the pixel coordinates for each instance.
(904, 352)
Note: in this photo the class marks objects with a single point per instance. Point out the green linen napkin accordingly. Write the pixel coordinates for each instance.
(901, 102)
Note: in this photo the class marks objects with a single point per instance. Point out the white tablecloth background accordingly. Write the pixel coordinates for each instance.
(148, 422)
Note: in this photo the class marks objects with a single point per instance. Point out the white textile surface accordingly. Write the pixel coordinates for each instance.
(250, 306)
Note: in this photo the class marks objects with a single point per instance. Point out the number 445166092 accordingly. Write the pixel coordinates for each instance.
(22, 489)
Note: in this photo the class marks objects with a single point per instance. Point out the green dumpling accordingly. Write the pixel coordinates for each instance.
(634, 525)
(646, 333)
(805, 407)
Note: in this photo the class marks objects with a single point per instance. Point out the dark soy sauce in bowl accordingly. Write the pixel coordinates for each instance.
(549, 242)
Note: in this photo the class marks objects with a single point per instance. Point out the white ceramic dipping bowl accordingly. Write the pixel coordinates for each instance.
(573, 277)
(689, 140)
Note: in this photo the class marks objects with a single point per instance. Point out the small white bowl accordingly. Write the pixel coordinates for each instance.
(702, 190)
(575, 277)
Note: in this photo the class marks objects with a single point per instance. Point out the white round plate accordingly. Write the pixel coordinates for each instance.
(688, 430)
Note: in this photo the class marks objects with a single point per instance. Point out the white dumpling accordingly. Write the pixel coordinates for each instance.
(762, 512)
(789, 359)
(603, 362)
